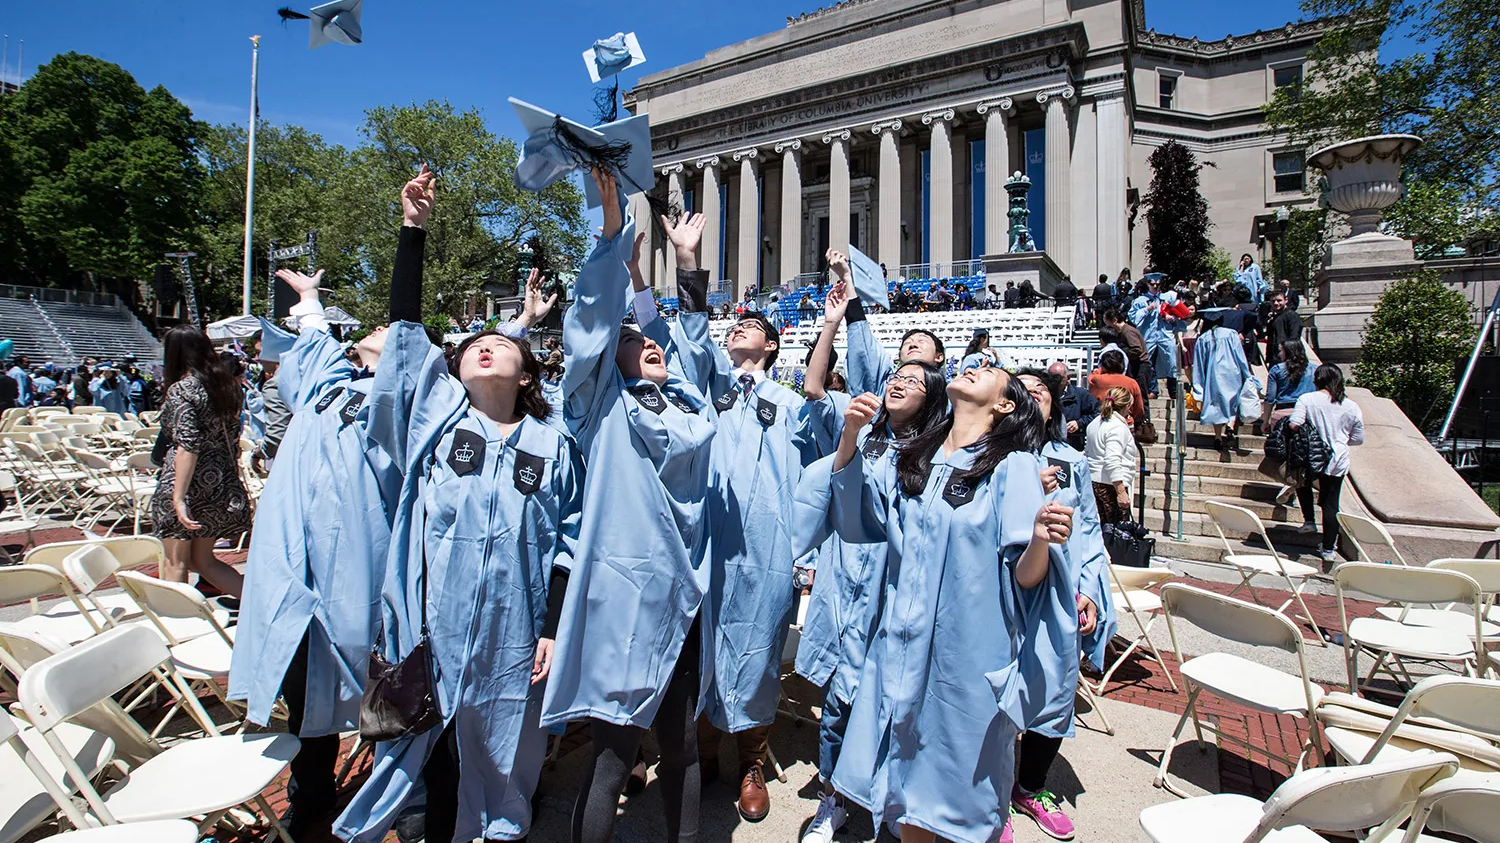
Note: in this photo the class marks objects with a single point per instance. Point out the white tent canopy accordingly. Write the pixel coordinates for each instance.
(338, 316)
(233, 328)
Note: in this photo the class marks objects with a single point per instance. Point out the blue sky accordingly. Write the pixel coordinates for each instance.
(473, 53)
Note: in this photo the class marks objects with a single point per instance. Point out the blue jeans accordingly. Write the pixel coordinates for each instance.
(830, 733)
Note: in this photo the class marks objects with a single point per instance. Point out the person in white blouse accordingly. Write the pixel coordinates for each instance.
(1340, 424)
(1110, 448)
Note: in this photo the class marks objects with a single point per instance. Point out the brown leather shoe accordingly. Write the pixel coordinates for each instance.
(755, 800)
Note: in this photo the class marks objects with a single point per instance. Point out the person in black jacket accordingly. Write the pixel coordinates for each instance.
(1284, 324)
(1079, 406)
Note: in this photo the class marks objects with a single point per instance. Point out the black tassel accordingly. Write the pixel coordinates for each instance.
(607, 103)
(287, 14)
(614, 155)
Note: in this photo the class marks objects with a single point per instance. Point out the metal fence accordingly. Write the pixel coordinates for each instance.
(59, 296)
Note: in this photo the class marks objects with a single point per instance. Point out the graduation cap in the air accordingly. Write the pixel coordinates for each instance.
(869, 280)
(611, 55)
(337, 21)
(274, 341)
(556, 146)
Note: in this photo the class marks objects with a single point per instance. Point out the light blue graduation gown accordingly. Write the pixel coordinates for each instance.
(112, 400)
(553, 392)
(1159, 334)
(318, 552)
(931, 737)
(843, 607)
(1050, 663)
(255, 416)
(1253, 280)
(491, 536)
(638, 573)
(1220, 371)
(763, 440)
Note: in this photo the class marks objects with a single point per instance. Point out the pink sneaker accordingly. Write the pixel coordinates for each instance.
(1008, 835)
(1042, 806)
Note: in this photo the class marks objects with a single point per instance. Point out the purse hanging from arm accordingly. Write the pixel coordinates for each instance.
(399, 698)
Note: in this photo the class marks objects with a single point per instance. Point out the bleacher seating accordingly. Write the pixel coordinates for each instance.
(63, 327)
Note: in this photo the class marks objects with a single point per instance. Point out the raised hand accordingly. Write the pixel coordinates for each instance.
(685, 237)
(614, 215)
(535, 308)
(836, 303)
(301, 282)
(839, 263)
(416, 199)
(862, 410)
(1054, 522)
(637, 278)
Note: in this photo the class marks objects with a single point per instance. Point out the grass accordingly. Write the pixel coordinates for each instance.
(1492, 495)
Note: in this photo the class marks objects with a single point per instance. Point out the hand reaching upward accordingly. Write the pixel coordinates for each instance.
(305, 285)
(839, 263)
(685, 237)
(416, 199)
(836, 303)
(535, 308)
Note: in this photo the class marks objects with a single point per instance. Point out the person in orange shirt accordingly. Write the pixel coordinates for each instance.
(1110, 374)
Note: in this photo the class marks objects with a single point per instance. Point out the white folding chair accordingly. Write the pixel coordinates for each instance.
(202, 661)
(1129, 590)
(1453, 714)
(1373, 796)
(155, 831)
(196, 778)
(1461, 805)
(1248, 683)
(1486, 572)
(36, 787)
(1396, 641)
(15, 520)
(1228, 518)
(30, 582)
(141, 474)
(1367, 534)
(135, 550)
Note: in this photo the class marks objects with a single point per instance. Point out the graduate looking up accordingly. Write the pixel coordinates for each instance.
(868, 361)
(483, 535)
(931, 734)
(628, 648)
(765, 434)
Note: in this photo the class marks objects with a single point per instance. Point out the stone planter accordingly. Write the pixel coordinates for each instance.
(1362, 177)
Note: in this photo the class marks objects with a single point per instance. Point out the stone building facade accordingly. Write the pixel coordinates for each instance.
(878, 123)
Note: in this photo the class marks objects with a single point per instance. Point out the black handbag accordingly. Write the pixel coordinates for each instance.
(1127, 544)
(399, 698)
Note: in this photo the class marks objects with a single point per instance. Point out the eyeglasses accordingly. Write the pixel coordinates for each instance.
(741, 327)
(909, 381)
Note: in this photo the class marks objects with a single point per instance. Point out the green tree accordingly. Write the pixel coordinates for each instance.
(1414, 342)
(1303, 245)
(103, 174)
(1447, 91)
(1177, 215)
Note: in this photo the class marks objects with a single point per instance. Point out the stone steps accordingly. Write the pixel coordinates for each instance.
(1211, 551)
(1208, 468)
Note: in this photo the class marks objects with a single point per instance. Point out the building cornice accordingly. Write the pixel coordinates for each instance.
(1290, 35)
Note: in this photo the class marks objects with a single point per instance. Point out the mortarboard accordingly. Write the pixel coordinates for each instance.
(337, 21)
(632, 136)
(274, 341)
(611, 55)
(554, 147)
(869, 279)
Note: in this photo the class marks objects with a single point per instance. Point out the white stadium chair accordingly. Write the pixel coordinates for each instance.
(157, 831)
(1460, 805)
(1238, 520)
(1368, 534)
(1129, 590)
(1394, 642)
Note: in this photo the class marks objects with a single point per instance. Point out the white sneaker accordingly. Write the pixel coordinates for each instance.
(1307, 527)
(829, 819)
(1285, 494)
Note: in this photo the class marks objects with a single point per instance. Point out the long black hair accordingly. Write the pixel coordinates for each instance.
(188, 351)
(1331, 378)
(1019, 431)
(978, 343)
(1052, 427)
(530, 400)
(934, 402)
(1294, 357)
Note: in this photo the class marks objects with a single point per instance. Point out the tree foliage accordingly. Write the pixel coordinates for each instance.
(1414, 342)
(1177, 215)
(1303, 244)
(100, 175)
(1447, 91)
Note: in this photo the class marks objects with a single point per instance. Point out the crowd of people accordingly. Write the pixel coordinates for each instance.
(123, 387)
(459, 548)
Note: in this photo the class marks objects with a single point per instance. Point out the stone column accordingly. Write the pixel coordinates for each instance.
(675, 200)
(1059, 165)
(791, 209)
(640, 210)
(748, 273)
(1111, 155)
(996, 166)
(889, 229)
(940, 194)
(708, 254)
(838, 189)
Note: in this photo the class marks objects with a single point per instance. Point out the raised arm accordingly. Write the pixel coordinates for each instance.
(835, 305)
(316, 360)
(701, 362)
(868, 363)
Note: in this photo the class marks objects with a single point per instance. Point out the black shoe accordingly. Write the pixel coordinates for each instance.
(411, 827)
(307, 823)
(637, 781)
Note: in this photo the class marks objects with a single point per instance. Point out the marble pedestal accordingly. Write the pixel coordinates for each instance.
(1354, 274)
(1035, 267)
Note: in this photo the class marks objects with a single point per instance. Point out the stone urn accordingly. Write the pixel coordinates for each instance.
(1362, 177)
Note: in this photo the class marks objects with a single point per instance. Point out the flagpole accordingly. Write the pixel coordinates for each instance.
(250, 169)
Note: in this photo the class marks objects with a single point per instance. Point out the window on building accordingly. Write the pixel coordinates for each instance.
(1289, 171)
(1284, 77)
(1166, 89)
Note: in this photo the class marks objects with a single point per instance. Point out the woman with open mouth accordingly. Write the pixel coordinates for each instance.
(483, 536)
(969, 535)
(628, 644)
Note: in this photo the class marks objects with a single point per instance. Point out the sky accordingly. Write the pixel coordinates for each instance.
(473, 53)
